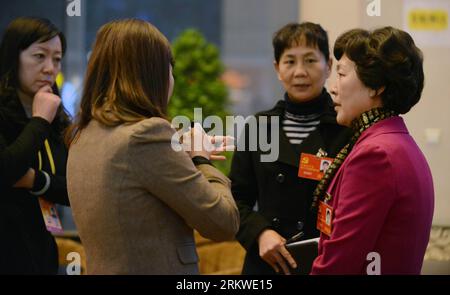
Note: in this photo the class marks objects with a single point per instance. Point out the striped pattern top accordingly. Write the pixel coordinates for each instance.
(298, 127)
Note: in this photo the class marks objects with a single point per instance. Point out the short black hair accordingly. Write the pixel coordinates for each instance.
(293, 34)
(386, 57)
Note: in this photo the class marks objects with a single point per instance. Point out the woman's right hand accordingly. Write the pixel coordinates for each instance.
(273, 251)
(197, 143)
(45, 104)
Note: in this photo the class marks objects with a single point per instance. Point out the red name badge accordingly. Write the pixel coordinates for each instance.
(313, 167)
(324, 218)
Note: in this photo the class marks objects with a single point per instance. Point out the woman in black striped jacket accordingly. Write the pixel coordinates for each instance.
(274, 203)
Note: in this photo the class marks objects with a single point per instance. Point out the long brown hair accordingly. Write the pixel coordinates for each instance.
(127, 77)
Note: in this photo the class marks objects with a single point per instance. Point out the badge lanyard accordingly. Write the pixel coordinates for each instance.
(48, 209)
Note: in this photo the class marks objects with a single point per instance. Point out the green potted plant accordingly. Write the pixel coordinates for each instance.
(198, 84)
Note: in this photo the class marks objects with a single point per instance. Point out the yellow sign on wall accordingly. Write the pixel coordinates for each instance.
(428, 19)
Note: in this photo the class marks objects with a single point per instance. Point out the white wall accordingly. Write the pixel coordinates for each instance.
(433, 111)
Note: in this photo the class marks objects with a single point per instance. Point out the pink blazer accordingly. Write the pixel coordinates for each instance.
(383, 201)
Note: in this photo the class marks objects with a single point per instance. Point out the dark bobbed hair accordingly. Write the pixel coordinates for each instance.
(386, 57)
(294, 34)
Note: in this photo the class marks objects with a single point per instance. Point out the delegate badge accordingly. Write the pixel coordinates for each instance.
(51, 218)
(324, 218)
(313, 167)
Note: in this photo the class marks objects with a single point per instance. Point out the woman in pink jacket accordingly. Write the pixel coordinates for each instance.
(379, 189)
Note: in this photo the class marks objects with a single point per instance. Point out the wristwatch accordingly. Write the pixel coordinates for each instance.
(199, 160)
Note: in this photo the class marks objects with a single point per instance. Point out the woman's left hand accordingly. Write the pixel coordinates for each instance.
(27, 180)
(221, 144)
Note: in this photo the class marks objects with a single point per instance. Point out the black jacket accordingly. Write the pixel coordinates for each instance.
(283, 199)
(26, 246)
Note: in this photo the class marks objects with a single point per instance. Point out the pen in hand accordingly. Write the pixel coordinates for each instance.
(295, 237)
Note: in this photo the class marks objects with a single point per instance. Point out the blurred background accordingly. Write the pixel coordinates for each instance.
(233, 68)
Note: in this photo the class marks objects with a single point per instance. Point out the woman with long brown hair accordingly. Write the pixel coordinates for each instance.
(135, 199)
